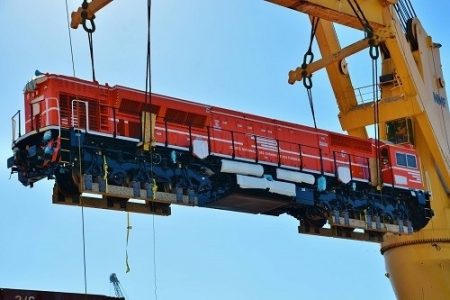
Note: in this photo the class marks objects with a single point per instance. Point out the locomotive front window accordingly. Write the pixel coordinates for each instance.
(411, 161)
(406, 160)
(401, 159)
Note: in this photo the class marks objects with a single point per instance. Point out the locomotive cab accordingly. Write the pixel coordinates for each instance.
(400, 167)
(36, 152)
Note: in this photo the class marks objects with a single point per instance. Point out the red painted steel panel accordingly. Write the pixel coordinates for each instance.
(116, 110)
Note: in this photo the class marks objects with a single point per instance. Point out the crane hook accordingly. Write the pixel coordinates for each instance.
(84, 18)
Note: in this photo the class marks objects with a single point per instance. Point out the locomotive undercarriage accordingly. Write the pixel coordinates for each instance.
(106, 172)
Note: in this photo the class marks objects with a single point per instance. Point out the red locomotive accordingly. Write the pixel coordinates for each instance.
(225, 159)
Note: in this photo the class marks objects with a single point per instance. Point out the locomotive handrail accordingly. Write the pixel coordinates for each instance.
(114, 120)
(14, 125)
(255, 145)
(278, 152)
(232, 136)
(300, 156)
(87, 113)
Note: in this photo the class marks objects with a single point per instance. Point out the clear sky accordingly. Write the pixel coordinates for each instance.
(234, 54)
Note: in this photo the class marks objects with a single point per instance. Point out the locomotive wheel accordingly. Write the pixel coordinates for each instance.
(118, 178)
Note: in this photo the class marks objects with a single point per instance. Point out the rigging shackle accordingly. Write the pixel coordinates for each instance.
(86, 28)
(374, 52)
(307, 82)
(307, 58)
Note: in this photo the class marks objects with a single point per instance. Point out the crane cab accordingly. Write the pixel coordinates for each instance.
(400, 131)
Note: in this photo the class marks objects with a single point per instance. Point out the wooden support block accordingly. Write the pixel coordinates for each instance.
(121, 198)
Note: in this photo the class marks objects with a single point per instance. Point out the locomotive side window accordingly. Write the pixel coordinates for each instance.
(384, 156)
(406, 160)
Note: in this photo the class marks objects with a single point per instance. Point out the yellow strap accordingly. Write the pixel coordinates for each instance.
(154, 189)
(129, 227)
(105, 172)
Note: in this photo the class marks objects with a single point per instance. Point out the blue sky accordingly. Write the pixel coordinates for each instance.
(234, 54)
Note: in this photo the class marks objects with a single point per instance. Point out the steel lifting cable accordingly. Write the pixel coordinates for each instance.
(148, 71)
(148, 101)
(374, 53)
(79, 155)
(376, 117)
(154, 259)
(89, 30)
(361, 17)
(308, 58)
(82, 211)
(70, 38)
(411, 9)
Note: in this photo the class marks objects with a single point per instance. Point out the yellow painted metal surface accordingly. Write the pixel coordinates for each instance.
(417, 265)
(342, 85)
(93, 7)
(336, 11)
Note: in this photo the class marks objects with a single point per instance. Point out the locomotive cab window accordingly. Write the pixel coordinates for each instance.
(384, 155)
(406, 160)
(411, 161)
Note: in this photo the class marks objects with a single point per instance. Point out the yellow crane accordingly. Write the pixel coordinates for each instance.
(412, 99)
(418, 265)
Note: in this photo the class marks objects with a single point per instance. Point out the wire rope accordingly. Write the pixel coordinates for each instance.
(148, 102)
(308, 58)
(83, 232)
(70, 38)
